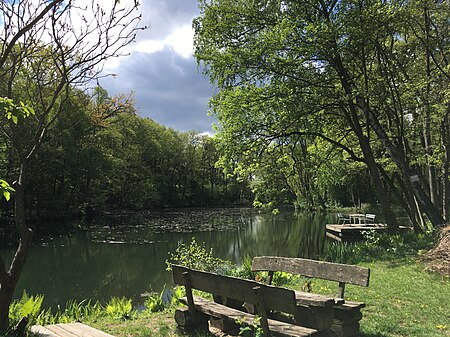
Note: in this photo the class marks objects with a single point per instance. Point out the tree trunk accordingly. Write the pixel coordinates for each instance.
(10, 277)
(389, 215)
(445, 136)
(400, 159)
(6, 295)
(428, 144)
(353, 118)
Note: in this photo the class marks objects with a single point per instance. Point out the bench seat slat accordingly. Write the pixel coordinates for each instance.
(304, 298)
(220, 311)
(350, 305)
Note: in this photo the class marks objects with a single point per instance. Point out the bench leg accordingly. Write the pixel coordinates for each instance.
(185, 319)
(345, 330)
(227, 326)
(346, 322)
(318, 318)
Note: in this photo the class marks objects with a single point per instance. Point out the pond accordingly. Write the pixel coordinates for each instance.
(126, 255)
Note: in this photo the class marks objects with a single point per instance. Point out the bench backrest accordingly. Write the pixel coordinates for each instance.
(275, 298)
(342, 273)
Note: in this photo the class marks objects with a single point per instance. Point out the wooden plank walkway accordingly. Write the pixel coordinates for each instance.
(353, 232)
(68, 330)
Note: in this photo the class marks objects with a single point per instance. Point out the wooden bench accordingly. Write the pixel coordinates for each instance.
(264, 297)
(346, 314)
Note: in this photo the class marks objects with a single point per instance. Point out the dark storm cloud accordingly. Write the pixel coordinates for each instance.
(163, 16)
(168, 88)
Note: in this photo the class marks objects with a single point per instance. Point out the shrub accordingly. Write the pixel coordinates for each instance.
(196, 256)
(245, 270)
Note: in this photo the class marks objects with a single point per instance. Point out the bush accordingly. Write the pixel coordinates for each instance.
(245, 270)
(196, 256)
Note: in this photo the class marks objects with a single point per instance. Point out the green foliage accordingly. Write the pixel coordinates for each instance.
(196, 256)
(5, 189)
(380, 246)
(177, 293)
(100, 155)
(28, 306)
(252, 330)
(78, 311)
(245, 270)
(310, 103)
(283, 279)
(12, 111)
(120, 308)
(73, 312)
(156, 302)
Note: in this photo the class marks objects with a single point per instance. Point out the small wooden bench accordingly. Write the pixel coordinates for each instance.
(264, 297)
(346, 314)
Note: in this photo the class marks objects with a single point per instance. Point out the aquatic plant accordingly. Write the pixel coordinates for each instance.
(120, 308)
(155, 302)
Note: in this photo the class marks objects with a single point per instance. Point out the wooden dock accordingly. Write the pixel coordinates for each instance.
(67, 330)
(353, 232)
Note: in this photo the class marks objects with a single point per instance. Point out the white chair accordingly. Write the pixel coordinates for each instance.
(342, 219)
(370, 218)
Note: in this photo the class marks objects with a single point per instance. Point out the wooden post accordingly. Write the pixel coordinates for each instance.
(262, 311)
(270, 277)
(189, 296)
(341, 290)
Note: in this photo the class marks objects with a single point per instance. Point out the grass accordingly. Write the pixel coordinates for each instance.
(402, 300)
(160, 324)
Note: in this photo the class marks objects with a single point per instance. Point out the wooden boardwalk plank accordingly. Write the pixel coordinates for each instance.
(41, 331)
(68, 330)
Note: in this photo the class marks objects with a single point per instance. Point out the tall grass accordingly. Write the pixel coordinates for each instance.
(380, 246)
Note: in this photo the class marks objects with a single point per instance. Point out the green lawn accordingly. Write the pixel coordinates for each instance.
(402, 300)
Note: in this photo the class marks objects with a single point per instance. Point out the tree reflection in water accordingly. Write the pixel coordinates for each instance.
(127, 258)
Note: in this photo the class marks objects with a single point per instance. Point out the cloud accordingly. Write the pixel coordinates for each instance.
(181, 40)
(161, 71)
(168, 89)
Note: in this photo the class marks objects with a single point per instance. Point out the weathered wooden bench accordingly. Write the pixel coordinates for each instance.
(346, 314)
(264, 297)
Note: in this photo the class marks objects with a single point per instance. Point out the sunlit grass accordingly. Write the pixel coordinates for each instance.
(401, 300)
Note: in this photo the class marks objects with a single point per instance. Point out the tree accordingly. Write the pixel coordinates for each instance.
(330, 70)
(47, 48)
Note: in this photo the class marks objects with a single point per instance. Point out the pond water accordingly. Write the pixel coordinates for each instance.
(125, 255)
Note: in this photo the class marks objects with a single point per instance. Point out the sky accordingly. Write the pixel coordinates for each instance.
(168, 85)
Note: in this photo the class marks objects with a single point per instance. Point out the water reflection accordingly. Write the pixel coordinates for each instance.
(127, 258)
